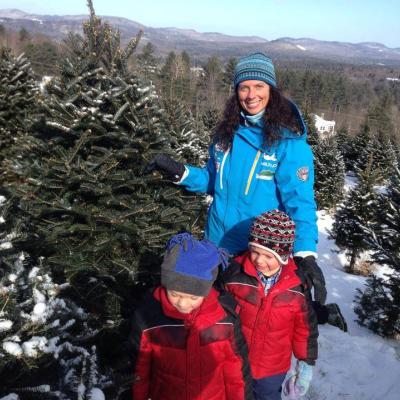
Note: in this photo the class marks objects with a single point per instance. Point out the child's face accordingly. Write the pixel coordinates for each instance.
(264, 261)
(185, 303)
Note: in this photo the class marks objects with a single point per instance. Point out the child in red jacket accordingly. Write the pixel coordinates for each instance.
(275, 309)
(187, 340)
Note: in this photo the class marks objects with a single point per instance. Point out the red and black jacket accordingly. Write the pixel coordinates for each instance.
(277, 324)
(196, 356)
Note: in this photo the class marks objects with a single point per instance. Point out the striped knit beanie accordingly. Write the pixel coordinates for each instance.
(273, 231)
(256, 67)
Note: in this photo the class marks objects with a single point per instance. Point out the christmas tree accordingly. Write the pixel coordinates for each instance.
(189, 138)
(146, 63)
(47, 342)
(345, 145)
(356, 213)
(328, 165)
(376, 138)
(17, 107)
(329, 173)
(98, 222)
(378, 305)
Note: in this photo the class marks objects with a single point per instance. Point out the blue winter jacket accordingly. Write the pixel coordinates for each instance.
(251, 178)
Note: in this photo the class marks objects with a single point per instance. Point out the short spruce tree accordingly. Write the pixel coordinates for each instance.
(378, 305)
(355, 214)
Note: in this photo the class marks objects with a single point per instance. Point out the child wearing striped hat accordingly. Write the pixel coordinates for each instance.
(275, 309)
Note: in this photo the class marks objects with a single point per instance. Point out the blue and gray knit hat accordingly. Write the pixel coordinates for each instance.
(190, 265)
(256, 67)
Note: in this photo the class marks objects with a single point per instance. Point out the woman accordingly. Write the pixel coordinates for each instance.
(259, 161)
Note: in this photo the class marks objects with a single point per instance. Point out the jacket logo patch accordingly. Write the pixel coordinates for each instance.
(270, 157)
(269, 164)
(302, 173)
(265, 175)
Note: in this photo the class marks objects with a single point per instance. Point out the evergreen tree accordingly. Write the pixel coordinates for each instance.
(24, 35)
(385, 156)
(366, 148)
(189, 139)
(355, 214)
(213, 83)
(378, 305)
(96, 219)
(228, 75)
(329, 173)
(378, 117)
(185, 81)
(210, 117)
(17, 107)
(312, 133)
(378, 146)
(146, 62)
(176, 77)
(47, 342)
(44, 57)
(328, 166)
(345, 146)
(376, 139)
(168, 75)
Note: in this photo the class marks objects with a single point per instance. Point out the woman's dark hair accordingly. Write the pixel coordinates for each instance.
(278, 114)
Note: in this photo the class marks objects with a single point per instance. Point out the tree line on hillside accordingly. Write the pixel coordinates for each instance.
(82, 228)
(339, 95)
(342, 92)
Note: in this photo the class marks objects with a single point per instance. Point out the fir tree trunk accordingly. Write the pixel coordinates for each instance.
(353, 259)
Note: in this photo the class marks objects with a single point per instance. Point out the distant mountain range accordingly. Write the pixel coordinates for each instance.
(202, 45)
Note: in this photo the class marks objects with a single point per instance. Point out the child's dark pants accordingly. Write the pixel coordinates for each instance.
(268, 388)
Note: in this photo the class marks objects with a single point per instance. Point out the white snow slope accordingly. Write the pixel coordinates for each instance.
(357, 365)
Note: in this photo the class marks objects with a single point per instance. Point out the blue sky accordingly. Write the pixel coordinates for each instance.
(342, 20)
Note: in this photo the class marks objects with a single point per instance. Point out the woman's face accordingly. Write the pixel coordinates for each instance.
(253, 96)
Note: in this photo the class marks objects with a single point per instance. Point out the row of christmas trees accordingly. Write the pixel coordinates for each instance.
(83, 228)
(367, 218)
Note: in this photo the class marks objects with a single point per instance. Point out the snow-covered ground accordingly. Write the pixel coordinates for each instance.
(357, 365)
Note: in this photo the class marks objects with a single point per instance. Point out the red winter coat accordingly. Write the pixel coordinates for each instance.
(274, 325)
(194, 356)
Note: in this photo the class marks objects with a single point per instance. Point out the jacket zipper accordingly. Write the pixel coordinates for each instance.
(222, 168)
(253, 167)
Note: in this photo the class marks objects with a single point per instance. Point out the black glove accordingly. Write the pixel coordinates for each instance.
(168, 167)
(313, 276)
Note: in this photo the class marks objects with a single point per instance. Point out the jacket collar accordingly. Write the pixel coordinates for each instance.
(252, 120)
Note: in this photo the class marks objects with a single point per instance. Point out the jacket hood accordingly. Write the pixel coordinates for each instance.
(254, 135)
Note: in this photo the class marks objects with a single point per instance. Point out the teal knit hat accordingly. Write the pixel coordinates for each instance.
(256, 67)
